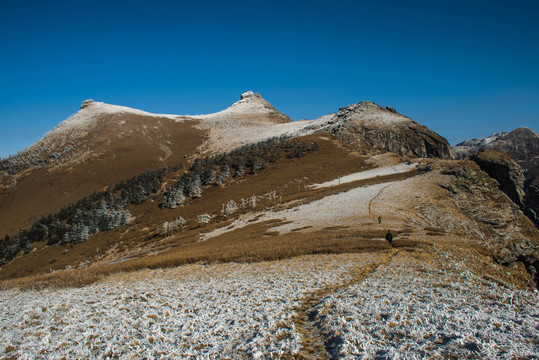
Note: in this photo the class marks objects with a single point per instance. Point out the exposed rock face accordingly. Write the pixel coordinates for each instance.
(86, 103)
(508, 173)
(512, 178)
(477, 196)
(249, 94)
(372, 129)
(533, 193)
(522, 144)
(505, 170)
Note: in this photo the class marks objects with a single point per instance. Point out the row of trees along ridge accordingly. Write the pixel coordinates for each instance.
(105, 210)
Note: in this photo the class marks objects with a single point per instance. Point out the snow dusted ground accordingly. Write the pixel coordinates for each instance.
(195, 311)
(411, 309)
(352, 208)
(226, 135)
(82, 119)
(343, 209)
(368, 174)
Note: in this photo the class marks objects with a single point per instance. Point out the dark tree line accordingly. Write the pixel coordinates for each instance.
(218, 169)
(100, 211)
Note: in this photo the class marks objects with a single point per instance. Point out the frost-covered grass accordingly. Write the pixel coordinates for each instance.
(410, 309)
(415, 306)
(194, 311)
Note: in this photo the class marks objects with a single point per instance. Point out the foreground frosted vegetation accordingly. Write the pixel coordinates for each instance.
(359, 306)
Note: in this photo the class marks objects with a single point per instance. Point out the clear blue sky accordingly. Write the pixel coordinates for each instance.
(462, 68)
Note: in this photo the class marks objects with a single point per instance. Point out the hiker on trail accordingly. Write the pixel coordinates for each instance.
(379, 219)
(389, 237)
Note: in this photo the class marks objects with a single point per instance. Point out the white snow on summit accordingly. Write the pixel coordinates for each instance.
(250, 105)
(90, 110)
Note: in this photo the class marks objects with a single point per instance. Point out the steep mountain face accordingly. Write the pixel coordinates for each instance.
(522, 144)
(373, 129)
(503, 231)
(504, 169)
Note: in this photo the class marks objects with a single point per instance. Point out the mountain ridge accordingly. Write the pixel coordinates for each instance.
(186, 219)
(214, 150)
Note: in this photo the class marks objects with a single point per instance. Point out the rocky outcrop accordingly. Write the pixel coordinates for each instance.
(249, 94)
(371, 129)
(86, 103)
(504, 169)
(502, 229)
(523, 145)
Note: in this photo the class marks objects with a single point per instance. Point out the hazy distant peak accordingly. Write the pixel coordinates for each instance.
(480, 142)
(516, 134)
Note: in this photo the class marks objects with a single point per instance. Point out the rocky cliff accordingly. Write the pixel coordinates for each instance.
(504, 169)
(506, 234)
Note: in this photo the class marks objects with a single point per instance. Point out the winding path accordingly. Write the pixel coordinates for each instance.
(316, 343)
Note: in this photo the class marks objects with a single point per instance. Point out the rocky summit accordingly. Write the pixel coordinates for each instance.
(373, 129)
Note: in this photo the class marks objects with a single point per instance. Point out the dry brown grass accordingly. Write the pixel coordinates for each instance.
(140, 246)
(40, 192)
(252, 243)
(289, 178)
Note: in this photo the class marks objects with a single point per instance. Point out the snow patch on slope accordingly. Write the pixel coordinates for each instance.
(225, 135)
(368, 174)
(353, 208)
